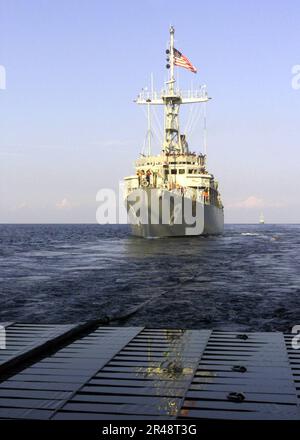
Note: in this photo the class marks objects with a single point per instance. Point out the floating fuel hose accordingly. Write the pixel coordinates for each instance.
(132, 311)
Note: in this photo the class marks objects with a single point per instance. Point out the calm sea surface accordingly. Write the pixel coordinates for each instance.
(247, 279)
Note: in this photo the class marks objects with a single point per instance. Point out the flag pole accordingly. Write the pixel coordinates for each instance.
(172, 79)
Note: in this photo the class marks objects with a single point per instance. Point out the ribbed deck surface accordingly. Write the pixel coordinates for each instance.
(134, 372)
(22, 339)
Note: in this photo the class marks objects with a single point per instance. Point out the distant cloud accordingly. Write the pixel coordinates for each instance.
(249, 203)
(64, 204)
(18, 207)
(253, 202)
(23, 205)
(11, 150)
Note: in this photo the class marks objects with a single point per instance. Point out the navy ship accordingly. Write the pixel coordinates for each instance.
(173, 193)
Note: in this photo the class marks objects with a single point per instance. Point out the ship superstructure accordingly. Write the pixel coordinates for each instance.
(175, 176)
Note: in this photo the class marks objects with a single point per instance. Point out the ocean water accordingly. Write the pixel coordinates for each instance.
(247, 279)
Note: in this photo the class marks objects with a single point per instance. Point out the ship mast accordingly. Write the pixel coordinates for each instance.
(172, 142)
(171, 98)
(171, 81)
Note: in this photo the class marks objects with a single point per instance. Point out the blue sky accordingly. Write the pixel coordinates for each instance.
(68, 126)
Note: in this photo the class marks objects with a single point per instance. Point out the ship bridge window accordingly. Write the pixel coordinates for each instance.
(173, 171)
(181, 171)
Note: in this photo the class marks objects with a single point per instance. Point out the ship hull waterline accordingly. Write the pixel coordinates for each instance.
(211, 219)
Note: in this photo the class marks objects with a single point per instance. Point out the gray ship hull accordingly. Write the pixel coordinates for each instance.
(210, 221)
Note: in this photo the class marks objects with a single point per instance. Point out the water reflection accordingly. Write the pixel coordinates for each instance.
(172, 360)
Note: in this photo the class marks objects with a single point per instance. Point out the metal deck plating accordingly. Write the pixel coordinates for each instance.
(105, 372)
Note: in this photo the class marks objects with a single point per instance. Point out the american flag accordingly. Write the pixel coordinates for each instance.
(183, 61)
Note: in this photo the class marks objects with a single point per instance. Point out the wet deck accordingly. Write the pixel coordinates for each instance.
(105, 372)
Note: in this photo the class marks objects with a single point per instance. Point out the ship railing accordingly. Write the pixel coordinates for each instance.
(194, 93)
(192, 193)
(149, 96)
